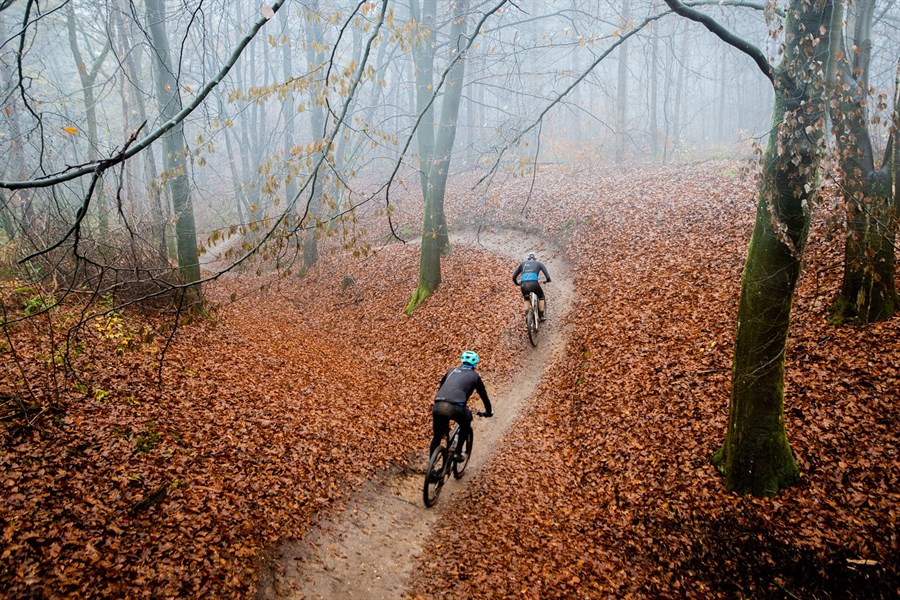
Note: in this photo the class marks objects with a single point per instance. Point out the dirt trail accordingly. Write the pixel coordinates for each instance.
(370, 549)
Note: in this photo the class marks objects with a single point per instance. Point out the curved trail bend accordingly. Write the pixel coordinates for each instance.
(370, 549)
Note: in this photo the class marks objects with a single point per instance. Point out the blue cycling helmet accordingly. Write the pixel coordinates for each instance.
(470, 358)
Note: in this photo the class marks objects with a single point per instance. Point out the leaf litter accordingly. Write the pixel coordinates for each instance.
(275, 410)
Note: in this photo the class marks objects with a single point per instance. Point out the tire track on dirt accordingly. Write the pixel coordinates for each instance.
(370, 549)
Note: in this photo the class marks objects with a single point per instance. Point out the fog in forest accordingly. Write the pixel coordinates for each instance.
(229, 300)
(135, 132)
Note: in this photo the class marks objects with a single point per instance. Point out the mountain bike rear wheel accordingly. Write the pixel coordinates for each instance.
(435, 475)
(460, 466)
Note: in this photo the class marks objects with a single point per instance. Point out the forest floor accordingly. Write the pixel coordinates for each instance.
(370, 549)
(276, 447)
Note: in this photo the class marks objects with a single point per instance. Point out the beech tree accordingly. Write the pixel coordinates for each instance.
(88, 63)
(756, 456)
(169, 98)
(316, 60)
(435, 140)
(868, 291)
(134, 113)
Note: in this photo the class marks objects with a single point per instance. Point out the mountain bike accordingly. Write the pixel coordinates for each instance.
(443, 461)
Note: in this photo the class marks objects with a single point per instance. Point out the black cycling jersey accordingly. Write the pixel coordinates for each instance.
(457, 385)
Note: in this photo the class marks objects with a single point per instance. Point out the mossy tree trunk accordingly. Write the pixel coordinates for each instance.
(894, 156)
(868, 290)
(435, 149)
(756, 457)
(169, 98)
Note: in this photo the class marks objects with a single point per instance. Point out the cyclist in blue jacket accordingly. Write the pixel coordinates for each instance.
(456, 386)
(529, 270)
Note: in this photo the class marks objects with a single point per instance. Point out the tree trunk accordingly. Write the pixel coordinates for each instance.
(893, 153)
(723, 88)
(290, 113)
(14, 221)
(87, 74)
(129, 183)
(435, 165)
(7, 218)
(679, 88)
(236, 181)
(174, 146)
(315, 57)
(756, 457)
(654, 91)
(469, 156)
(868, 290)
(241, 139)
(622, 100)
(154, 197)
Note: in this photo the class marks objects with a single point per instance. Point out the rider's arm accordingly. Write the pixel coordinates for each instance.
(546, 274)
(516, 273)
(482, 393)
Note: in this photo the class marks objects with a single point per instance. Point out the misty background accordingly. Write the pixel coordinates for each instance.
(135, 132)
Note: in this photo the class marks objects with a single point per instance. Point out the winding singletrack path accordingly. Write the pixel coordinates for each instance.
(370, 549)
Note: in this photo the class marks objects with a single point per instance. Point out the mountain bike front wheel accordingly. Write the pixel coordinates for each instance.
(435, 475)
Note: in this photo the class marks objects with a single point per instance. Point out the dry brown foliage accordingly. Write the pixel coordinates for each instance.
(604, 488)
(280, 405)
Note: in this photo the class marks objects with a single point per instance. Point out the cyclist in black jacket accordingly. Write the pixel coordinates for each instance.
(456, 386)
(530, 269)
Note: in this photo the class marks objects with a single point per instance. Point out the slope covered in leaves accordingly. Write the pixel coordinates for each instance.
(279, 405)
(272, 411)
(604, 488)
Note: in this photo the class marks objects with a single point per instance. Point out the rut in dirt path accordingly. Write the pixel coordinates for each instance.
(370, 549)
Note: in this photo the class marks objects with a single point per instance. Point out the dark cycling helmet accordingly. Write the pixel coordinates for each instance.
(470, 358)
(531, 256)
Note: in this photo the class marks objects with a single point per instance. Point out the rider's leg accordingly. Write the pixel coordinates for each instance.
(440, 425)
(464, 418)
(527, 288)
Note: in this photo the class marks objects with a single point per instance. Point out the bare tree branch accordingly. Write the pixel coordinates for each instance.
(726, 36)
(619, 41)
(126, 153)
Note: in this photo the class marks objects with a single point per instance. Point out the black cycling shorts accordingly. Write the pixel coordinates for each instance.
(532, 286)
